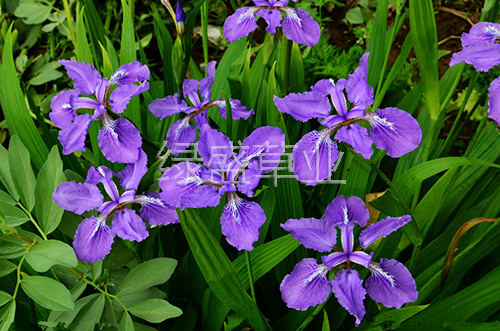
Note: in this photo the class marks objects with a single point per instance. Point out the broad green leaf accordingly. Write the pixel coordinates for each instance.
(48, 293)
(136, 297)
(22, 173)
(354, 16)
(126, 323)
(6, 267)
(44, 255)
(33, 13)
(6, 198)
(155, 310)
(218, 271)
(4, 298)
(150, 273)
(12, 247)
(15, 110)
(7, 315)
(46, 73)
(48, 213)
(5, 176)
(89, 314)
(393, 318)
(13, 215)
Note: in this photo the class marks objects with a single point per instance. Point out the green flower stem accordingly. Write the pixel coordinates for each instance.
(204, 26)
(111, 304)
(250, 277)
(44, 236)
(106, 293)
(286, 52)
(313, 315)
(70, 23)
(19, 275)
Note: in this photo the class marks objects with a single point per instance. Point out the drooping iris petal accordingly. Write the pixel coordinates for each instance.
(263, 148)
(357, 137)
(72, 137)
(207, 82)
(119, 140)
(93, 239)
(130, 73)
(306, 286)
(482, 56)
(120, 97)
(494, 100)
(382, 229)
(86, 77)
(312, 233)
(241, 221)
(62, 113)
(304, 106)
(240, 24)
(181, 179)
(391, 284)
(349, 291)
(360, 94)
(168, 106)
(128, 225)
(394, 130)
(237, 110)
(272, 18)
(344, 210)
(132, 174)
(314, 157)
(155, 211)
(77, 197)
(215, 148)
(180, 135)
(204, 195)
(481, 33)
(299, 26)
(334, 259)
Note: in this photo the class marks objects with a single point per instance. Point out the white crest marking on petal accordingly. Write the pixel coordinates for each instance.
(491, 29)
(346, 216)
(290, 12)
(250, 12)
(377, 271)
(374, 119)
(322, 269)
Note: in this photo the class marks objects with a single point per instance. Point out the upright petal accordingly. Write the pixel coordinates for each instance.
(105, 176)
(62, 113)
(131, 175)
(181, 179)
(119, 140)
(304, 106)
(391, 284)
(263, 148)
(207, 82)
(120, 97)
(494, 100)
(241, 221)
(299, 26)
(168, 106)
(344, 210)
(314, 157)
(240, 24)
(155, 211)
(180, 135)
(215, 148)
(130, 73)
(349, 291)
(272, 18)
(237, 110)
(306, 286)
(77, 197)
(86, 77)
(382, 229)
(360, 94)
(481, 33)
(336, 92)
(357, 137)
(319, 235)
(72, 137)
(93, 239)
(394, 130)
(128, 225)
(482, 56)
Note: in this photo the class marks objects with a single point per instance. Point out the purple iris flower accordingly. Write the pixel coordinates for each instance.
(119, 140)
(314, 155)
(94, 237)
(298, 25)
(482, 50)
(182, 133)
(390, 282)
(189, 185)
